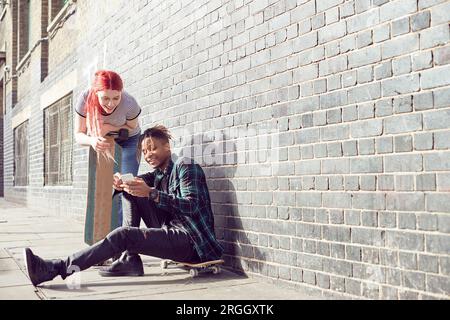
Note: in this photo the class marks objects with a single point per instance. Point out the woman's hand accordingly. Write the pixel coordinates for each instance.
(100, 144)
(106, 127)
(137, 188)
(118, 183)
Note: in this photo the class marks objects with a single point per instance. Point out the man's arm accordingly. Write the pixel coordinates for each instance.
(149, 178)
(192, 181)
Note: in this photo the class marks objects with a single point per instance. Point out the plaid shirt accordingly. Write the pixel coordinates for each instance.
(189, 203)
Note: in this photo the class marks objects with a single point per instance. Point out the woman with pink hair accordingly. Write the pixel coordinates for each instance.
(106, 107)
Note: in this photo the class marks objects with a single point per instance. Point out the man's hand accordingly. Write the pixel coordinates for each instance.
(117, 183)
(137, 188)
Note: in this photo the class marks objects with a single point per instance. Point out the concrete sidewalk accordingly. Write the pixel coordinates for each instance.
(57, 237)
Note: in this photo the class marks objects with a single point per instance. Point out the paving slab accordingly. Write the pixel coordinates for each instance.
(7, 264)
(92, 286)
(25, 292)
(8, 237)
(57, 237)
(3, 253)
(13, 278)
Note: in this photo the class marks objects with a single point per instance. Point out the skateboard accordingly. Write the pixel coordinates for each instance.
(102, 204)
(195, 268)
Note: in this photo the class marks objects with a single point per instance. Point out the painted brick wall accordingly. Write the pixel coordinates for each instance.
(322, 126)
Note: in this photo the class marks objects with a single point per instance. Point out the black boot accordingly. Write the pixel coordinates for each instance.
(108, 262)
(127, 265)
(40, 270)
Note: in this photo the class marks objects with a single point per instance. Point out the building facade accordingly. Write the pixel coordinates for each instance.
(323, 126)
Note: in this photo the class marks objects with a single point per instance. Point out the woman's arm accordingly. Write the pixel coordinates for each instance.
(80, 131)
(129, 125)
(98, 143)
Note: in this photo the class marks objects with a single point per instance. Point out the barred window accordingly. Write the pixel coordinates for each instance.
(24, 28)
(55, 6)
(58, 140)
(21, 155)
(29, 27)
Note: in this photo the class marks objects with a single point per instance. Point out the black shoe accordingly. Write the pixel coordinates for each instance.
(126, 266)
(108, 262)
(38, 269)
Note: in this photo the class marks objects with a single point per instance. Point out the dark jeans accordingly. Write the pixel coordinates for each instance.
(157, 240)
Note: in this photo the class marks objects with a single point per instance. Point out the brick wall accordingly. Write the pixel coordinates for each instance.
(1, 142)
(322, 126)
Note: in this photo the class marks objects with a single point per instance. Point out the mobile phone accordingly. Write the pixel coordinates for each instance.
(127, 177)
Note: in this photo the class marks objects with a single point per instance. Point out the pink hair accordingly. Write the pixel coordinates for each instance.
(104, 80)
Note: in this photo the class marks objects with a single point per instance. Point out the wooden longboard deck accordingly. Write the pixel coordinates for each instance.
(102, 209)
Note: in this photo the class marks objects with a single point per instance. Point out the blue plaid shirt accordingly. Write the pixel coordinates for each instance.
(189, 203)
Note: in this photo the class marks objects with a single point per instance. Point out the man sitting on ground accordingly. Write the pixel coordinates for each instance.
(175, 205)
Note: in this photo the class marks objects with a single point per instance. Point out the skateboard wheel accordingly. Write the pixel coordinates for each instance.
(193, 273)
(215, 270)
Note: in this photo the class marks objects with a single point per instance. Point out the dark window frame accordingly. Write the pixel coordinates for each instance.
(59, 147)
(28, 27)
(54, 8)
(21, 151)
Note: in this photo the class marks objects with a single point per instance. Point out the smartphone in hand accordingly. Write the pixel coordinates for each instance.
(127, 177)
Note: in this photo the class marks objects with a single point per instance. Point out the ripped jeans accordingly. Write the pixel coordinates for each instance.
(159, 239)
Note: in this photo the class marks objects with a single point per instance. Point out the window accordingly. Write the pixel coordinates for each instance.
(14, 5)
(58, 140)
(24, 20)
(1, 139)
(55, 7)
(21, 155)
(3, 8)
(29, 45)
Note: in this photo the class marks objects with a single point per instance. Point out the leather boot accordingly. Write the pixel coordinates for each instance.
(127, 265)
(40, 270)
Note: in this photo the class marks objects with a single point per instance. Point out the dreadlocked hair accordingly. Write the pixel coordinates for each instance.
(158, 132)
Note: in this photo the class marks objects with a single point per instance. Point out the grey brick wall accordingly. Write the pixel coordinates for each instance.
(322, 126)
(1, 159)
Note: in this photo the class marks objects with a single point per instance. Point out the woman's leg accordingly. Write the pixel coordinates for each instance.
(130, 157)
(129, 164)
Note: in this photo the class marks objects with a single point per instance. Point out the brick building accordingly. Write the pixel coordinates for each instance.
(322, 125)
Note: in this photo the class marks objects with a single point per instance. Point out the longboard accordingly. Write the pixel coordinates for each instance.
(195, 268)
(102, 207)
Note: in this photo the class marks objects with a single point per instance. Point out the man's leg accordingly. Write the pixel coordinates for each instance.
(159, 240)
(40, 270)
(166, 243)
(162, 242)
(135, 209)
(117, 241)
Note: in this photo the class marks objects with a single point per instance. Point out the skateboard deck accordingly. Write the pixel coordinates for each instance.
(102, 207)
(195, 268)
